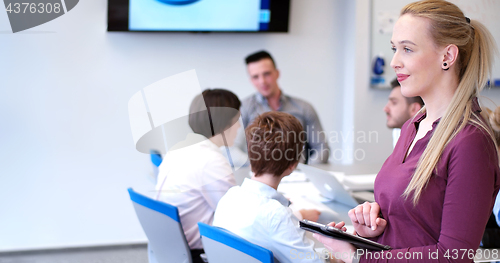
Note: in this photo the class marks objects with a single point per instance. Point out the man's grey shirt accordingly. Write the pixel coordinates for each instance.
(316, 138)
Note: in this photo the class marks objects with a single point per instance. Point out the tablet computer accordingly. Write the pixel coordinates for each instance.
(336, 233)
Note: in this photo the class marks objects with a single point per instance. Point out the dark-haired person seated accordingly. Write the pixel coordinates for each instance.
(494, 119)
(194, 174)
(255, 210)
(269, 97)
(491, 237)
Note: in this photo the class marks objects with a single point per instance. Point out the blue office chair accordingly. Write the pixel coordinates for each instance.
(222, 246)
(161, 223)
(156, 158)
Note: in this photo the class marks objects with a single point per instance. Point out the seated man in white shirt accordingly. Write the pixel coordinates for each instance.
(255, 210)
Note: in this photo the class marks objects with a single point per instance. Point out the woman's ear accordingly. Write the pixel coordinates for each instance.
(450, 56)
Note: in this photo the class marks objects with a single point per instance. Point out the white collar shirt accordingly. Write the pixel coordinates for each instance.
(259, 214)
(194, 178)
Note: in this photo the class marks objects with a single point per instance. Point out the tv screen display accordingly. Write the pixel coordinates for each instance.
(199, 15)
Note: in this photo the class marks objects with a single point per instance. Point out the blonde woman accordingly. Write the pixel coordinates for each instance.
(435, 192)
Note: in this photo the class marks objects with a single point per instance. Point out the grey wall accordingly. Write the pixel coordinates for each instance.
(369, 119)
(67, 154)
(482, 10)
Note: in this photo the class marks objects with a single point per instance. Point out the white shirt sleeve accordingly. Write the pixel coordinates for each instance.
(290, 245)
(217, 179)
(297, 214)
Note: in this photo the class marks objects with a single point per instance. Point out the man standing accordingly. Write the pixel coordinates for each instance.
(399, 109)
(269, 97)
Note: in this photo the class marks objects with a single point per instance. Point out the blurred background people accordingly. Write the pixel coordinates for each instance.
(270, 97)
(194, 174)
(399, 109)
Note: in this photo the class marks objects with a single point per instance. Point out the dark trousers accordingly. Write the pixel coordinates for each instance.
(195, 255)
(491, 237)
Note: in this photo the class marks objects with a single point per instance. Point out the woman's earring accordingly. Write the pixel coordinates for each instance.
(445, 64)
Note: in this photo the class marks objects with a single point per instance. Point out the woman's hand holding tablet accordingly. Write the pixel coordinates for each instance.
(367, 220)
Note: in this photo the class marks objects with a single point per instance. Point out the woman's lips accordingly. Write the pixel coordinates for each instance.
(402, 77)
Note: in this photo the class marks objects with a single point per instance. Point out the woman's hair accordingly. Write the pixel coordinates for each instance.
(275, 141)
(213, 111)
(493, 117)
(448, 25)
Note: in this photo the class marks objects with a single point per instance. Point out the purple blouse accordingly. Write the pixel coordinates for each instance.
(454, 207)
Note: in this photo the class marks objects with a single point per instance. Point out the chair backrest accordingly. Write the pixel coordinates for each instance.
(161, 223)
(223, 246)
(156, 158)
(496, 209)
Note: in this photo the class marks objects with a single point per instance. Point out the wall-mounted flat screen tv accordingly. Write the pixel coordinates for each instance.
(199, 15)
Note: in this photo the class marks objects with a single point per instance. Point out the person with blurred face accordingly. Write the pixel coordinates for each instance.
(269, 97)
(436, 191)
(194, 174)
(399, 109)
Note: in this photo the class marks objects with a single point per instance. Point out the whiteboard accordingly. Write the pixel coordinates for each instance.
(386, 12)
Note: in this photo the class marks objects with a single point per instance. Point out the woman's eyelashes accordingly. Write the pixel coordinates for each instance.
(406, 49)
